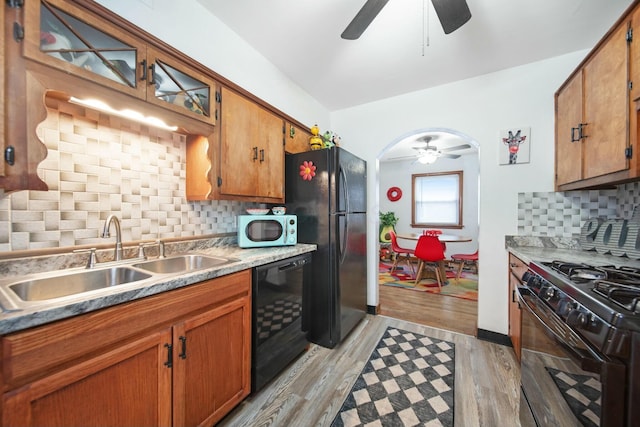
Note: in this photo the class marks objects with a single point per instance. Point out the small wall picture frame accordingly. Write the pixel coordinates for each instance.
(515, 146)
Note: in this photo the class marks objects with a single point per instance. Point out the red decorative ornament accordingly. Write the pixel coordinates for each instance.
(394, 194)
(307, 170)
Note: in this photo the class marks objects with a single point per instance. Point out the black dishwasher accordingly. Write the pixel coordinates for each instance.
(279, 323)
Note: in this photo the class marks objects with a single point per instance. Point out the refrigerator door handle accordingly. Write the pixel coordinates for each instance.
(343, 237)
(345, 189)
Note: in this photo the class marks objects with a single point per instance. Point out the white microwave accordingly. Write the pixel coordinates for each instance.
(257, 231)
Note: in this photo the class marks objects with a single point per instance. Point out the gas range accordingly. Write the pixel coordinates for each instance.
(602, 303)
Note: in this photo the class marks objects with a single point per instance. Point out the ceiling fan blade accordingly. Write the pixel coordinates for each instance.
(450, 156)
(452, 14)
(394, 159)
(362, 20)
(458, 147)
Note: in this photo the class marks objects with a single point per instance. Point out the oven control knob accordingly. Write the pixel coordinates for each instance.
(548, 293)
(577, 318)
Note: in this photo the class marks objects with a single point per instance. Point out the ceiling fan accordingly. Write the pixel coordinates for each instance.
(452, 14)
(427, 154)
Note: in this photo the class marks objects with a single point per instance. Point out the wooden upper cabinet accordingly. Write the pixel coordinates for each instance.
(296, 139)
(592, 117)
(251, 150)
(568, 120)
(3, 144)
(62, 35)
(605, 107)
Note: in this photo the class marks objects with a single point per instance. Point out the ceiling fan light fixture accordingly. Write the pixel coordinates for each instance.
(428, 158)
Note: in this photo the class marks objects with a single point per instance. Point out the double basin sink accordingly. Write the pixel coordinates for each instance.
(43, 288)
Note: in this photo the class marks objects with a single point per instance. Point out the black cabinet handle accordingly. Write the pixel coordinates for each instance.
(262, 155)
(255, 153)
(169, 362)
(143, 65)
(575, 134)
(152, 68)
(183, 351)
(10, 155)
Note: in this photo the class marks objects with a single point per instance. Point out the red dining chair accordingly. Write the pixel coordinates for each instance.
(400, 252)
(430, 232)
(430, 253)
(461, 259)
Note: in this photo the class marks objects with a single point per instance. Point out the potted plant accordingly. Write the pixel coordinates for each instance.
(388, 221)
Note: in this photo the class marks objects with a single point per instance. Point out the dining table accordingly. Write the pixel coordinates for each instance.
(444, 238)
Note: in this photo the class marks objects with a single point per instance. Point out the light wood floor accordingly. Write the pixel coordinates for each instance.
(438, 311)
(311, 390)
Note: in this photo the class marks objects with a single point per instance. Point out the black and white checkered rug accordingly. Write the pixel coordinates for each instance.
(582, 393)
(407, 381)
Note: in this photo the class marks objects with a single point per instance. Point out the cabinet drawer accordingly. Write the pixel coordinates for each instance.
(36, 352)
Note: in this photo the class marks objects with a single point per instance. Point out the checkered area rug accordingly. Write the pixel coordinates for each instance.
(407, 381)
(582, 393)
(276, 316)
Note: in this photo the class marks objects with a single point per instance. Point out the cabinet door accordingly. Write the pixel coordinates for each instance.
(212, 363)
(174, 86)
(271, 155)
(238, 149)
(296, 139)
(568, 117)
(515, 313)
(3, 144)
(251, 149)
(634, 56)
(128, 386)
(606, 107)
(64, 36)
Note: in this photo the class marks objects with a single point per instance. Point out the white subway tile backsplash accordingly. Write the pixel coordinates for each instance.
(97, 165)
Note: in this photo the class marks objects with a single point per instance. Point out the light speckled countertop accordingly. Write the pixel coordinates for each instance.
(12, 321)
(530, 249)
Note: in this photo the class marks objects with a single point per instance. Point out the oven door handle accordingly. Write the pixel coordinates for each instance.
(586, 356)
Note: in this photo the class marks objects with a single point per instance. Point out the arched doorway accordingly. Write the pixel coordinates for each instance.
(395, 165)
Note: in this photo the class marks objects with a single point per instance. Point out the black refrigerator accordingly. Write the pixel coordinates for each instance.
(327, 190)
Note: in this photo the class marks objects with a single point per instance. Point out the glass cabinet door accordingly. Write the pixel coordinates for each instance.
(174, 86)
(69, 38)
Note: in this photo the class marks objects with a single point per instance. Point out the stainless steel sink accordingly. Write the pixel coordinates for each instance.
(182, 263)
(46, 288)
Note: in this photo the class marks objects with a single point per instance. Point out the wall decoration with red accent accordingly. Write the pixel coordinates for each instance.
(394, 194)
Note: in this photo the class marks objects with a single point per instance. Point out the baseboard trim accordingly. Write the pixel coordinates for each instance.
(494, 337)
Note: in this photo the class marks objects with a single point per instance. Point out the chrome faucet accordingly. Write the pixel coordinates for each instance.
(105, 234)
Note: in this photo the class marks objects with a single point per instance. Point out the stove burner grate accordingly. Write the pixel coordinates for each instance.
(625, 296)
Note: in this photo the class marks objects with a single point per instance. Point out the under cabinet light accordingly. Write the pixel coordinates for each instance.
(127, 114)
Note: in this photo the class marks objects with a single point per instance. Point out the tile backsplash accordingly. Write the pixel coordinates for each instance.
(562, 214)
(98, 165)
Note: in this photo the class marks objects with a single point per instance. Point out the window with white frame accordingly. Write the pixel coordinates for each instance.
(437, 200)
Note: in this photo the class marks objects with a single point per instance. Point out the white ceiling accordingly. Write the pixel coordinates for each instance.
(405, 48)
(302, 38)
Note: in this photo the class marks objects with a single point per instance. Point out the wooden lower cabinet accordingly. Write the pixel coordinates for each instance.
(190, 369)
(128, 386)
(515, 312)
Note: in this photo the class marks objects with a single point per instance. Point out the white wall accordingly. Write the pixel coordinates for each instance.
(480, 108)
(398, 174)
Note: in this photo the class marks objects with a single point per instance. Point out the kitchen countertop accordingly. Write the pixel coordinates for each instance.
(12, 321)
(544, 249)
